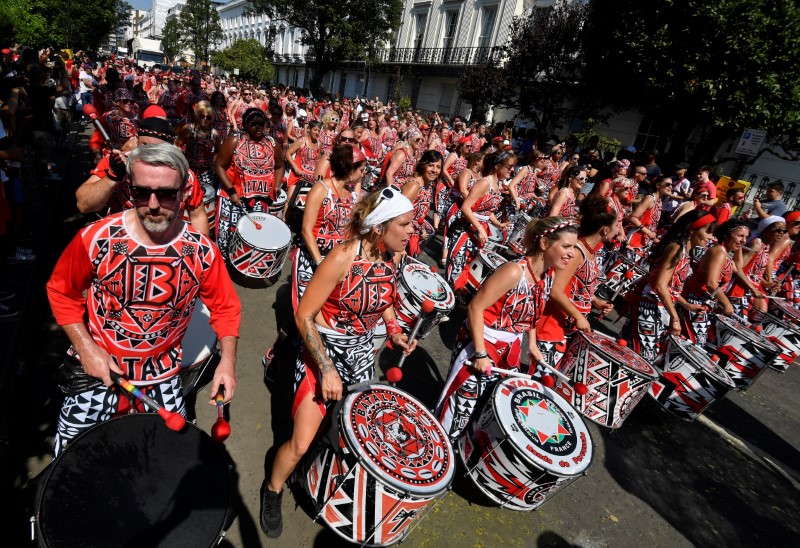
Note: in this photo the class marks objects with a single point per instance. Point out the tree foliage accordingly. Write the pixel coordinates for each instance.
(335, 31)
(19, 23)
(200, 27)
(538, 71)
(172, 40)
(727, 65)
(250, 57)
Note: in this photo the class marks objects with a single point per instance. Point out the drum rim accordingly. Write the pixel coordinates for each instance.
(230, 510)
(751, 336)
(704, 366)
(257, 215)
(549, 468)
(202, 356)
(654, 375)
(346, 433)
(445, 305)
(481, 255)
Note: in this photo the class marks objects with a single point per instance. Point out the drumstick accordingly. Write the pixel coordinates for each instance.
(174, 421)
(91, 112)
(247, 214)
(394, 374)
(221, 429)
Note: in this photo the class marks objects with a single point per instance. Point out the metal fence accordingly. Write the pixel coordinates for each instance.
(441, 56)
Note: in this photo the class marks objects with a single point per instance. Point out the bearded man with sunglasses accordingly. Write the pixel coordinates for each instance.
(142, 271)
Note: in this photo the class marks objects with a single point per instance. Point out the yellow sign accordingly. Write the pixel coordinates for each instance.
(68, 52)
(725, 184)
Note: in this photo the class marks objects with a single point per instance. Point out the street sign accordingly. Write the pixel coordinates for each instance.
(751, 141)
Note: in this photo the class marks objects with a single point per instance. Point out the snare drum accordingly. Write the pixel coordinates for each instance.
(616, 378)
(131, 481)
(495, 236)
(198, 347)
(386, 460)
(276, 207)
(785, 335)
(690, 380)
(744, 353)
(259, 253)
(480, 268)
(616, 282)
(210, 204)
(785, 311)
(515, 240)
(416, 283)
(526, 445)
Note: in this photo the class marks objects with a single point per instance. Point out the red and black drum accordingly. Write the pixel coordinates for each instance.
(621, 275)
(616, 378)
(690, 381)
(744, 354)
(198, 349)
(784, 310)
(259, 251)
(480, 268)
(392, 459)
(415, 284)
(785, 335)
(131, 481)
(516, 242)
(526, 445)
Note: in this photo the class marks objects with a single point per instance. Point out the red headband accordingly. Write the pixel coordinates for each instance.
(792, 217)
(703, 221)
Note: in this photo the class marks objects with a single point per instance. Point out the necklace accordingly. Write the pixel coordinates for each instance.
(530, 269)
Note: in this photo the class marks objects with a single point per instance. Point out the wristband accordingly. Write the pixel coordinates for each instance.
(479, 355)
(231, 191)
(392, 328)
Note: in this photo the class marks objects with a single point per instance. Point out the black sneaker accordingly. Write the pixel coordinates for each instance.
(6, 296)
(7, 311)
(271, 519)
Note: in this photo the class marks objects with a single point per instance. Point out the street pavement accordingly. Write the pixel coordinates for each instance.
(731, 478)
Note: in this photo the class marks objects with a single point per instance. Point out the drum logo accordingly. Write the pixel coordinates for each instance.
(544, 423)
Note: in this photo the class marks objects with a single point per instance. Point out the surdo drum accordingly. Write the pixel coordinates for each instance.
(259, 253)
(515, 239)
(526, 444)
(690, 380)
(785, 335)
(480, 268)
(131, 481)
(210, 204)
(416, 283)
(784, 311)
(616, 378)
(276, 207)
(744, 354)
(198, 347)
(618, 281)
(385, 460)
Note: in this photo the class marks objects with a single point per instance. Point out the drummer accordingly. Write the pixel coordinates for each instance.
(573, 294)
(712, 277)
(201, 142)
(419, 190)
(250, 169)
(507, 305)
(351, 290)
(654, 310)
(135, 329)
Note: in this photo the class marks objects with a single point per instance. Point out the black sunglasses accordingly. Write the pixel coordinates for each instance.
(350, 140)
(166, 197)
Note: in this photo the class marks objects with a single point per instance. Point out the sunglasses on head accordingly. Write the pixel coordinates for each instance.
(166, 197)
(581, 179)
(386, 194)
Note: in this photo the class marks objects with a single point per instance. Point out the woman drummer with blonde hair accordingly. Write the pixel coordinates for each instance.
(352, 289)
(507, 305)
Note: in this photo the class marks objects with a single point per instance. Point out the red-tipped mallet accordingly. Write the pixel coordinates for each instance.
(247, 214)
(579, 387)
(221, 429)
(395, 374)
(91, 112)
(174, 421)
(433, 269)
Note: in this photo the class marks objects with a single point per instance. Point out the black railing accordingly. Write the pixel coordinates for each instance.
(441, 56)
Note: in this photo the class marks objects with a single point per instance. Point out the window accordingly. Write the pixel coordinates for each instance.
(450, 23)
(488, 17)
(652, 134)
(419, 29)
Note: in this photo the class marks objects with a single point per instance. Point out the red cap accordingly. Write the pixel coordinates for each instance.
(464, 140)
(358, 155)
(792, 217)
(154, 111)
(302, 100)
(6, 51)
(497, 139)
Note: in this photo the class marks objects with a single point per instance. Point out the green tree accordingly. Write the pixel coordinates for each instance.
(709, 69)
(537, 72)
(251, 58)
(171, 40)
(199, 24)
(335, 31)
(20, 24)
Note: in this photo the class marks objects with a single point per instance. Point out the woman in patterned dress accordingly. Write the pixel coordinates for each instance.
(646, 215)
(250, 169)
(507, 305)
(404, 158)
(351, 290)
(565, 201)
(419, 189)
(654, 310)
(454, 164)
(573, 293)
(302, 158)
(201, 142)
(221, 121)
(524, 188)
(327, 137)
(471, 232)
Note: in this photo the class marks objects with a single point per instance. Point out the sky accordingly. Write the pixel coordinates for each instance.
(145, 4)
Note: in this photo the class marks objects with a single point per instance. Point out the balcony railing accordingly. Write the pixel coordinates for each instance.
(441, 56)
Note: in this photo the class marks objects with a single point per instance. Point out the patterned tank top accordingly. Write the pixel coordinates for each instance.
(120, 128)
(200, 149)
(254, 167)
(584, 283)
(170, 104)
(334, 215)
(238, 113)
(696, 283)
(518, 310)
(458, 165)
(326, 139)
(307, 158)
(527, 187)
(406, 169)
(680, 274)
(221, 123)
(357, 303)
(422, 205)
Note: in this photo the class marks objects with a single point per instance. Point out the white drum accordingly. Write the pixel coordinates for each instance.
(276, 207)
(526, 444)
(515, 240)
(744, 353)
(480, 268)
(210, 204)
(259, 253)
(198, 347)
(415, 284)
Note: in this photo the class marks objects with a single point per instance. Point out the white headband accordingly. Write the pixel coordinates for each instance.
(387, 209)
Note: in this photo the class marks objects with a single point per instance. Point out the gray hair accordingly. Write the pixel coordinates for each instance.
(161, 154)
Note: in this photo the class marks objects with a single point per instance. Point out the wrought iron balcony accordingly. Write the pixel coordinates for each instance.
(441, 56)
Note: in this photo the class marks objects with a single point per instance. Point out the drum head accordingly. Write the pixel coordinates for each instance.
(131, 481)
(424, 284)
(200, 340)
(782, 307)
(280, 199)
(495, 234)
(274, 233)
(543, 427)
(398, 440)
(209, 194)
(744, 332)
(698, 357)
(491, 258)
(620, 354)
